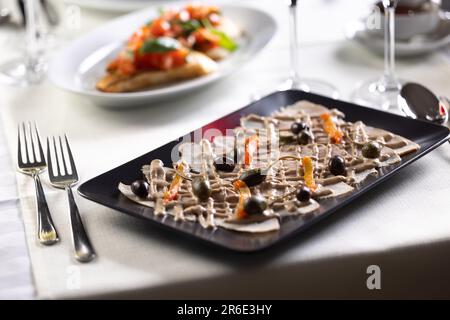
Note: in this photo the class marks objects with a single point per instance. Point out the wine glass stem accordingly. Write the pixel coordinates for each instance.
(32, 50)
(293, 33)
(389, 47)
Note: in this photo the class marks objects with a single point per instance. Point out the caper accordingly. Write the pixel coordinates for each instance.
(304, 138)
(224, 164)
(255, 205)
(252, 177)
(298, 126)
(371, 149)
(303, 194)
(336, 165)
(140, 188)
(201, 188)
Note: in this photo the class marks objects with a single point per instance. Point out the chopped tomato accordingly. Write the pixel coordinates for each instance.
(251, 147)
(160, 27)
(308, 169)
(161, 61)
(331, 129)
(138, 38)
(244, 193)
(122, 65)
(174, 188)
(199, 11)
(205, 40)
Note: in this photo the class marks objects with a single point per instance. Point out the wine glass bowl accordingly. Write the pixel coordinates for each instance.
(383, 92)
(31, 67)
(294, 81)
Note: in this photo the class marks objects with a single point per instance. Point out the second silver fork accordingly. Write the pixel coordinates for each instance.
(84, 252)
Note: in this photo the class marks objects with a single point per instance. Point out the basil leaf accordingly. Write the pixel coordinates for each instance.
(225, 42)
(190, 25)
(159, 45)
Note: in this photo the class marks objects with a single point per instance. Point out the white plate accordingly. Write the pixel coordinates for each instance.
(78, 67)
(417, 45)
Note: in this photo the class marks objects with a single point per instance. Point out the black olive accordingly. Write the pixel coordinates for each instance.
(252, 177)
(298, 127)
(371, 150)
(140, 188)
(201, 188)
(304, 138)
(224, 164)
(303, 194)
(336, 165)
(255, 205)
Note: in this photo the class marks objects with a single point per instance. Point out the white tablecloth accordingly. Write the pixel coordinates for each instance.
(403, 225)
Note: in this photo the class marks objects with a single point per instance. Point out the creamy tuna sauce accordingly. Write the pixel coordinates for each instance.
(284, 168)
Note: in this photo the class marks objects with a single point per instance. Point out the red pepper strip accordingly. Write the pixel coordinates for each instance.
(251, 146)
(172, 193)
(308, 169)
(330, 128)
(244, 193)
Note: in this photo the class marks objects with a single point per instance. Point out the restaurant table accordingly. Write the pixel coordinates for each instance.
(401, 226)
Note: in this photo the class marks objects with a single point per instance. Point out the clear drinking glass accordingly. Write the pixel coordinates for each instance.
(295, 81)
(31, 67)
(383, 92)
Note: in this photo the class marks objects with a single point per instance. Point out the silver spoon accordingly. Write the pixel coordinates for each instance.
(418, 102)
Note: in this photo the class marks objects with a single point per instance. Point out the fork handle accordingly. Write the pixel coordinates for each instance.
(47, 233)
(84, 252)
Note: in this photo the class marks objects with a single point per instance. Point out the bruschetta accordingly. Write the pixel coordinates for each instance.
(178, 45)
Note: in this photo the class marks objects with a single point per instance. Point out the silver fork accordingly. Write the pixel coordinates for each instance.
(84, 252)
(47, 233)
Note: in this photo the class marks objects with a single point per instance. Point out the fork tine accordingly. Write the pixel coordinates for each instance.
(32, 142)
(19, 147)
(26, 142)
(62, 155)
(72, 162)
(49, 159)
(58, 171)
(41, 152)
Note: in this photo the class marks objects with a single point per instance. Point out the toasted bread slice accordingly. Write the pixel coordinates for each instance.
(197, 65)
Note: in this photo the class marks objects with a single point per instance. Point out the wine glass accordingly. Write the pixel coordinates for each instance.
(294, 81)
(29, 69)
(383, 92)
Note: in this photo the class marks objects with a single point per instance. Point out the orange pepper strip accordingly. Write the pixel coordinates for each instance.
(251, 146)
(172, 193)
(308, 169)
(244, 193)
(330, 128)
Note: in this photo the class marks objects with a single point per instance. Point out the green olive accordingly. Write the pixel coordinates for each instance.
(201, 188)
(371, 150)
(255, 205)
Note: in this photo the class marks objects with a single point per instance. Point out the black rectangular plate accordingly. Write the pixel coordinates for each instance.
(103, 189)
